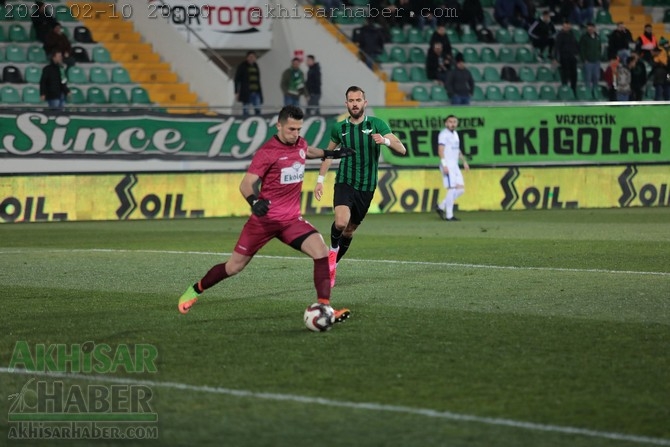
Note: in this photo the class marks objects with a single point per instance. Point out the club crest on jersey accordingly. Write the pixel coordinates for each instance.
(367, 131)
(293, 174)
(302, 154)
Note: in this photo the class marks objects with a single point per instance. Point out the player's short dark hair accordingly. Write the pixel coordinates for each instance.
(287, 112)
(354, 88)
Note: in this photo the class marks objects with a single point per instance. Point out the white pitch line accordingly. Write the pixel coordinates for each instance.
(377, 261)
(447, 415)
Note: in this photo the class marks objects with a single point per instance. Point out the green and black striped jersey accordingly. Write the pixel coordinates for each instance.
(359, 170)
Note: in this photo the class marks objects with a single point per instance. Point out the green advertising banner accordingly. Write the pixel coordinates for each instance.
(536, 136)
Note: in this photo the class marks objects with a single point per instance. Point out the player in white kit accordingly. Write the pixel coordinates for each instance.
(448, 147)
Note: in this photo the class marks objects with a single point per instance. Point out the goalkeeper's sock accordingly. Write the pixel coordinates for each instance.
(335, 236)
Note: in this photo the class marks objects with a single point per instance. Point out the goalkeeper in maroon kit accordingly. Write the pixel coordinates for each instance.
(279, 166)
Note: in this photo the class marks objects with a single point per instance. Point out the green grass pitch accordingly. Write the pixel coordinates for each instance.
(527, 328)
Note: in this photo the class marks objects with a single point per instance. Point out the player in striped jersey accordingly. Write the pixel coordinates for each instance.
(356, 178)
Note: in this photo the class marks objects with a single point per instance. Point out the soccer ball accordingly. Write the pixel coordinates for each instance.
(319, 317)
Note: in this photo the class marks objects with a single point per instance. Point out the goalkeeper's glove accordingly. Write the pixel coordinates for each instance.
(259, 207)
(344, 151)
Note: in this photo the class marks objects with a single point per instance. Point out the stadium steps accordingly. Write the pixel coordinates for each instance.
(144, 65)
(634, 17)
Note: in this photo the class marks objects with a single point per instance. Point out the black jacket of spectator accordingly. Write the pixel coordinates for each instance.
(566, 45)
(444, 40)
(618, 40)
(51, 82)
(42, 23)
(313, 83)
(370, 40)
(473, 13)
(460, 82)
(435, 64)
(245, 75)
(57, 41)
(542, 30)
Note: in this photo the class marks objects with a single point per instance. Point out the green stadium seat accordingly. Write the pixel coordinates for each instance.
(95, 95)
(63, 14)
(3, 36)
(576, 32)
(493, 93)
(438, 93)
(31, 95)
(453, 36)
(583, 94)
(545, 74)
(605, 34)
(117, 95)
(526, 74)
(525, 56)
(520, 35)
(398, 35)
(478, 94)
(120, 76)
(488, 55)
(488, 19)
(76, 96)
(2, 54)
(398, 54)
(15, 53)
(138, 95)
(383, 57)
(491, 74)
(414, 35)
(77, 75)
(98, 75)
(10, 95)
(547, 93)
(476, 74)
(399, 74)
(17, 33)
(32, 74)
(420, 93)
(487, 3)
(603, 17)
(565, 93)
(512, 93)
(417, 55)
(101, 55)
(470, 55)
(418, 74)
(503, 36)
(468, 36)
(36, 54)
(506, 55)
(4, 14)
(529, 93)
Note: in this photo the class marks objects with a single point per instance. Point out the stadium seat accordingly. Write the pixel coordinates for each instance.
(3, 36)
(453, 36)
(565, 93)
(509, 74)
(398, 35)
(526, 74)
(120, 76)
(506, 55)
(487, 3)
(80, 54)
(2, 54)
(488, 55)
(95, 95)
(15, 53)
(101, 55)
(36, 54)
(77, 75)
(544, 74)
(117, 95)
(525, 56)
(138, 95)
(383, 57)
(83, 35)
(583, 94)
(31, 95)
(529, 93)
(478, 94)
(418, 74)
(438, 93)
(398, 54)
(503, 36)
(63, 14)
(512, 93)
(420, 93)
(476, 74)
(491, 74)
(468, 35)
(417, 56)
(76, 96)
(470, 55)
(32, 74)
(547, 93)
(493, 93)
(12, 75)
(520, 35)
(414, 36)
(10, 95)
(603, 17)
(399, 74)
(605, 34)
(98, 75)
(17, 33)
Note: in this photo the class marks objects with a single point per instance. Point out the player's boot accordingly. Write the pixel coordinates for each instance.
(341, 315)
(332, 265)
(187, 300)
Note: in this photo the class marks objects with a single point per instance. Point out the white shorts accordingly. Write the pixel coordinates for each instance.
(454, 178)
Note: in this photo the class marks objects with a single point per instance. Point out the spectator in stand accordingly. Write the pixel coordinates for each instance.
(440, 35)
(589, 51)
(622, 81)
(566, 50)
(511, 13)
(437, 66)
(424, 13)
(460, 85)
(542, 33)
(473, 14)
(401, 14)
(646, 43)
(313, 85)
(659, 76)
(53, 83)
(56, 40)
(638, 77)
(293, 83)
(582, 12)
(370, 40)
(450, 14)
(619, 42)
(248, 84)
(42, 22)
(610, 73)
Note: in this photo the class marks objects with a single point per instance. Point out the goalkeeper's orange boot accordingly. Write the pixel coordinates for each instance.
(332, 265)
(187, 300)
(341, 315)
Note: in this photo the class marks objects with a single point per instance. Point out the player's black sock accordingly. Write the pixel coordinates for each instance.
(335, 236)
(344, 246)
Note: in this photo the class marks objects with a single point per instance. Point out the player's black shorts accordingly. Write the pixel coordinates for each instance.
(357, 201)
